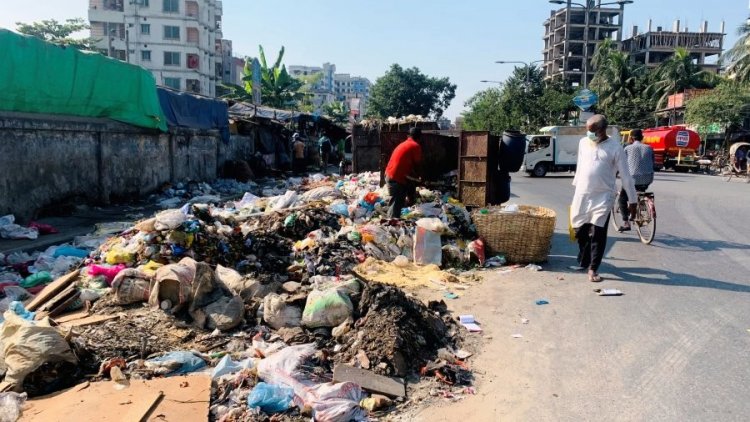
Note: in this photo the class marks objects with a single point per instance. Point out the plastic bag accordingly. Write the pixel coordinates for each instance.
(17, 308)
(327, 308)
(176, 363)
(11, 405)
(248, 200)
(228, 366)
(225, 314)
(283, 201)
(278, 314)
(336, 402)
(432, 224)
(321, 192)
(27, 345)
(476, 248)
(118, 255)
(131, 286)
(340, 209)
(108, 272)
(169, 220)
(427, 247)
(70, 251)
(38, 279)
(9, 230)
(270, 398)
(16, 293)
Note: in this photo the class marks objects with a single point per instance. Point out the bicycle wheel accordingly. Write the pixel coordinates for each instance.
(645, 221)
(616, 218)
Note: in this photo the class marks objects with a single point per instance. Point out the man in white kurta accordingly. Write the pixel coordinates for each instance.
(600, 158)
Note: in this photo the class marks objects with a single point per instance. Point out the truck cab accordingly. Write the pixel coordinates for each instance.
(555, 148)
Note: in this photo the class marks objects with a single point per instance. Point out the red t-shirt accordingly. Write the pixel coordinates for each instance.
(406, 155)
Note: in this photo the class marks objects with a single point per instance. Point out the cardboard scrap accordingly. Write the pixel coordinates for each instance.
(369, 381)
(90, 320)
(52, 290)
(159, 399)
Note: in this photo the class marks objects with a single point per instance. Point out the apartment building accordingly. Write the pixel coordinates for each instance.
(180, 41)
(354, 90)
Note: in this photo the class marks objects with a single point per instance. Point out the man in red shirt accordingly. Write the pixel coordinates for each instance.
(400, 172)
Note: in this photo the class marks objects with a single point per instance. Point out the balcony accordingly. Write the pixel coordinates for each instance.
(193, 36)
(192, 10)
(111, 5)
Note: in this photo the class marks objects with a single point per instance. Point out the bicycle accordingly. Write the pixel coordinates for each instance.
(645, 216)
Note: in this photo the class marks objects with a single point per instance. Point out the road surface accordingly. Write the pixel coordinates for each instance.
(675, 347)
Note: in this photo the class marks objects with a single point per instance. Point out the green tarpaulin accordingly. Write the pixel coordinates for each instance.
(39, 77)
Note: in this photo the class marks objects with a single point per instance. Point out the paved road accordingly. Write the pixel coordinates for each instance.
(676, 347)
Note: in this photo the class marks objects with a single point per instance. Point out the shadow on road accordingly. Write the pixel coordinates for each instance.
(668, 278)
(668, 241)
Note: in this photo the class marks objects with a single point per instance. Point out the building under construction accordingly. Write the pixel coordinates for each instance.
(568, 48)
(651, 48)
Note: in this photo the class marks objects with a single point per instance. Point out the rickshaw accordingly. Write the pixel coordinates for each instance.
(738, 167)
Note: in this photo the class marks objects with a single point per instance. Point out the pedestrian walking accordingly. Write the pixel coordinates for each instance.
(298, 154)
(325, 147)
(600, 158)
(401, 172)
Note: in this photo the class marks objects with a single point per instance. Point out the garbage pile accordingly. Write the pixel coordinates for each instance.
(273, 292)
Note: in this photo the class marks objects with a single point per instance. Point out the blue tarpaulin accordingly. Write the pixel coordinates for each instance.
(187, 110)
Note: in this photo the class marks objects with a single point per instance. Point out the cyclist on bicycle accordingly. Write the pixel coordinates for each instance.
(641, 164)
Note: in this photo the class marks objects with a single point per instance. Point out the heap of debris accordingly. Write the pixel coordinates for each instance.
(256, 288)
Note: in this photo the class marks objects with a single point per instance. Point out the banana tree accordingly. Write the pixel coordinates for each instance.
(278, 88)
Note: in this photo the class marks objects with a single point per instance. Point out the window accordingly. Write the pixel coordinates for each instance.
(144, 3)
(193, 85)
(171, 32)
(192, 61)
(146, 55)
(172, 82)
(171, 6)
(171, 58)
(146, 29)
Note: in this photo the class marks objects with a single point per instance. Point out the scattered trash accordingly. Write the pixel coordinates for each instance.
(608, 292)
(270, 398)
(517, 335)
(11, 406)
(542, 302)
(534, 267)
(524, 321)
(450, 295)
(175, 363)
(469, 323)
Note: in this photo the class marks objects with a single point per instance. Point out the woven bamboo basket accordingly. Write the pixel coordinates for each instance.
(522, 237)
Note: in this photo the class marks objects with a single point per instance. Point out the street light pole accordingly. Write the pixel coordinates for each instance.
(527, 65)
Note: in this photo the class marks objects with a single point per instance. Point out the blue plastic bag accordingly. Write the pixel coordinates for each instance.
(340, 209)
(270, 398)
(227, 366)
(70, 251)
(18, 308)
(190, 362)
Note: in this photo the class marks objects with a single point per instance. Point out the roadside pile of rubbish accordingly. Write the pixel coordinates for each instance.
(276, 294)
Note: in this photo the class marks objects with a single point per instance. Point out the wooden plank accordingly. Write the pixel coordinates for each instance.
(369, 381)
(65, 305)
(52, 290)
(93, 319)
(71, 316)
(141, 410)
(185, 398)
(58, 299)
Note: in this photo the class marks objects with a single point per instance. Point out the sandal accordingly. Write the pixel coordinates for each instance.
(624, 229)
(595, 278)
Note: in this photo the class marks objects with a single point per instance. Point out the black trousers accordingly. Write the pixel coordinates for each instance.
(592, 241)
(624, 201)
(399, 192)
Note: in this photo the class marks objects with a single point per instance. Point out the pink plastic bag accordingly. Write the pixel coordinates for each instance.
(109, 272)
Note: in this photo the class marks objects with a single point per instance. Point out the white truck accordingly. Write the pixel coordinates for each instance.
(555, 148)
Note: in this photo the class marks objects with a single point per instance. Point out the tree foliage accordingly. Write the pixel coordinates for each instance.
(337, 111)
(727, 105)
(518, 105)
(401, 92)
(58, 32)
(278, 88)
(737, 58)
(677, 74)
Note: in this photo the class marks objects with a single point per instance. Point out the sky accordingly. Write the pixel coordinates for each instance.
(458, 39)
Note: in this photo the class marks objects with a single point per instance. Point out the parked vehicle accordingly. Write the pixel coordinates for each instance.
(556, 149)
(675, 147)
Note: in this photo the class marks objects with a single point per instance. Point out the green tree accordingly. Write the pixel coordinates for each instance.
(401, 92)
(337, 111)
(307, 91)
(278, 88)
(517, 104)
(726, 105)
(737, 58)
(677, 74)
(58, 32)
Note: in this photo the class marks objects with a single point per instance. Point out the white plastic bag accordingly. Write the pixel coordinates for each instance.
(11, 405)
(169, 220)
(321, 192)
(432, 224)
(278, 314)
(427, 247)
(327, 308)
(284, 201)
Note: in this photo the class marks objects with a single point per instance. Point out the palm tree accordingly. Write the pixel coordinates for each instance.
(615, 78)
(677, 74)
(738, 57)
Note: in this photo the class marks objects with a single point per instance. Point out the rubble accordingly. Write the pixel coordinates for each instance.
(291, 278)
